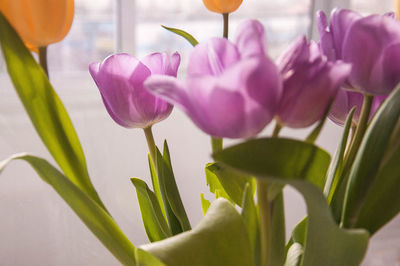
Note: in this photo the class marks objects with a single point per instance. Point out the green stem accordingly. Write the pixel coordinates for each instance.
(216, 144)
(265, 220)
(151, 144)
(359, 133)
(43, 59)
(226, 25)
(277, 129)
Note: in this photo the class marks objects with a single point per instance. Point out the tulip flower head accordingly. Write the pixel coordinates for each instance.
(222, 6)
(120, 79)
(310, 83)
(370, 44)
(232, 90)
(39, 22)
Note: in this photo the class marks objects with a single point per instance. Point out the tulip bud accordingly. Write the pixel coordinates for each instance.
(310, 83)
(120, 79)
(40, 22)
(222, 6)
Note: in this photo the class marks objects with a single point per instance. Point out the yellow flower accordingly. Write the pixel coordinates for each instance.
(222, 6)
(39, 22)
(397, 8)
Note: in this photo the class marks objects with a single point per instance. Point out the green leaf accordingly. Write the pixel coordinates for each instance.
(175, 212)
(297, 163)
(205, 204)
(144, 258)
(294, 255)
(335, 168)
(219, 239)
(93, 215)
(369, 158)
(286, 158)
(250, 218)
(278, 237)
(45, 110)
(156, 227)
(156, 185)
(215, 185)
(382, 202)
(229, 182)
(183, 34)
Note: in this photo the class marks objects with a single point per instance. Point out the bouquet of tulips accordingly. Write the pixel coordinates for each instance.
(232, 89)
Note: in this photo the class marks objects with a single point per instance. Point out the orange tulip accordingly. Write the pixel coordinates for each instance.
(222, 6)
(39, 22)
(397, 8)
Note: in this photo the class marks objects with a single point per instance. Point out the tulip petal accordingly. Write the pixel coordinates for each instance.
(162, 64)
(250, 39)
(341, 21)
(326, 39)
(316, 87)
(391, 67)
(212, 57)
(363, 48)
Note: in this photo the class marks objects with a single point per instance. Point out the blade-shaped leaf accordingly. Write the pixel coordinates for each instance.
(334, 170)
(278, 228)
(144, 258)
(175, 211)
(215, 185)
(232, 183)
(205, 204)
(219, 239)
(45, 110)
(286, 158)
(183, 34)
(296, 163)
(382, 202)
(156, 184)
(250, 218)
(94, 216)
(369, 158)
(154, 223)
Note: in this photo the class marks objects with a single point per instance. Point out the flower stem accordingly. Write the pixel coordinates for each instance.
(277, 129)
(43, 59)
(359, 133)
(226, 25)
(150, 143)
(216, 144)
(265, 220)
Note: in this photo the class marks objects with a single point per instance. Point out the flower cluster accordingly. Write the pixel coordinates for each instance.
(233, 89)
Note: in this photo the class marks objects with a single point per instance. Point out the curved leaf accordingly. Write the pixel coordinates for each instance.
(45, 109)
(295, 163)
(154, 223)
(230, 182)
(95, 217)
(250, 218)
(219, 239)
(369, 158)
(183, 34)
(174, 209)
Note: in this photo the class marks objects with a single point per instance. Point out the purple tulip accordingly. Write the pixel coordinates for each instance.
(370, 44)
(346, 100)
(310, 83)
(232, 90)
(120, 79)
